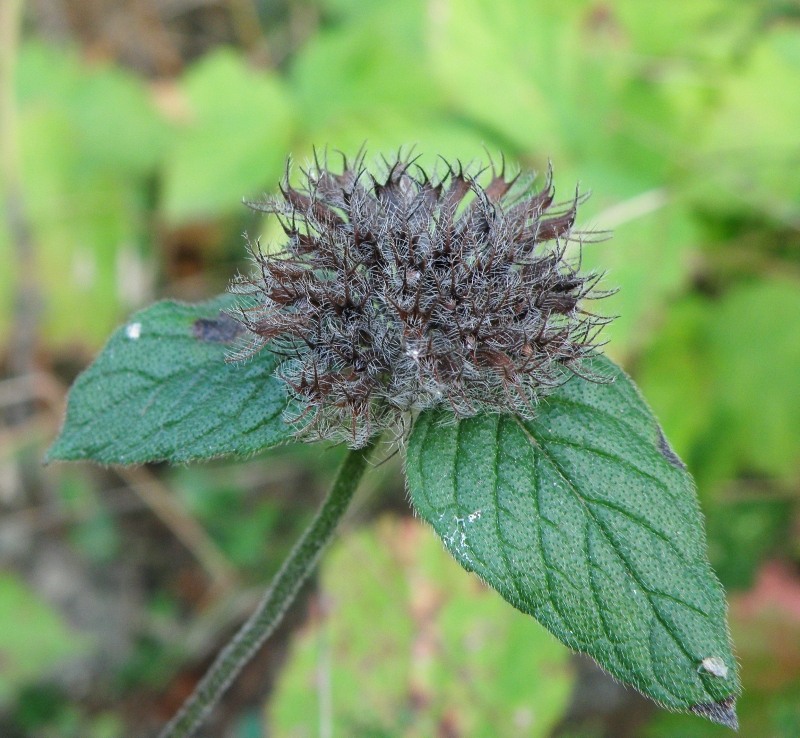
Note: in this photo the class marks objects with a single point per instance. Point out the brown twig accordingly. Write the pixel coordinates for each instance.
(184, 527)
(150, 489)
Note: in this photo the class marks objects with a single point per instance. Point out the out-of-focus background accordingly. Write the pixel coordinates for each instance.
(130, 130)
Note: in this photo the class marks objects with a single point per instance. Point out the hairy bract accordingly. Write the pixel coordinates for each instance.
(396, 291)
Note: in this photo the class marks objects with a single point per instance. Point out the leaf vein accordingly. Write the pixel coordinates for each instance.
(625, 562)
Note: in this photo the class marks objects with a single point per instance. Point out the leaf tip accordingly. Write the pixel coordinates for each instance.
(722, 712)
(53, 454)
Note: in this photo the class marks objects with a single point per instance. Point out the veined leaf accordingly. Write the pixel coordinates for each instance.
(161, 390)
(586, 519)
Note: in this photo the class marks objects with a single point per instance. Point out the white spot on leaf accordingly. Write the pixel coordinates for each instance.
(133, 330)
(714, 665)
(456, 540)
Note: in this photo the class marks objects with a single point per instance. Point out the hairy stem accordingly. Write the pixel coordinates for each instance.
(279, 596)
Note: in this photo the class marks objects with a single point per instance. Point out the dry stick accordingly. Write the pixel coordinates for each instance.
(150, 490)
(28, 387)
(183, 526)
(279, 596)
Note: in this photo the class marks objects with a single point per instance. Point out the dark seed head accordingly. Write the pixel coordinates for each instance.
(398, 292)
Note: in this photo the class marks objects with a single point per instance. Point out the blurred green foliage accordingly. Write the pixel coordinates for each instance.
(236, 129)
(680, 117)
(408, 646)
(89, 137)
(33, 638)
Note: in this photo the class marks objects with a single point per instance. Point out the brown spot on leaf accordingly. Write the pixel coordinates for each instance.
(668, 453)
(223, 329)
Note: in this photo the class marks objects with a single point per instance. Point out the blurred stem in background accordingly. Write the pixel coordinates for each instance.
(245, 19)
(26, 306)
(295, 570)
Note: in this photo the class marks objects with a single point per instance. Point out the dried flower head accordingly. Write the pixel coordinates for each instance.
(398, 292)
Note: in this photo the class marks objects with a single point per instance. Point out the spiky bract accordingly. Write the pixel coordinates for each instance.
(398, 292)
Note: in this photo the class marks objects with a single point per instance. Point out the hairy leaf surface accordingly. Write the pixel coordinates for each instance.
(586, 519)
(162, 391)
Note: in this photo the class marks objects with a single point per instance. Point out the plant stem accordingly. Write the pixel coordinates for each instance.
(279, 596)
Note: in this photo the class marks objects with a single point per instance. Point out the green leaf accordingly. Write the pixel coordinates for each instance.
(586, 519)
(755, 355)
(369, 80)
(666, 236)
(554, 79)
(695, 30)
(234, 143)
(114, 123)
(90, 140)
(756, 172)
(371, 66)
(470, 662)
(674, 373)
(161, 390)
(34, 639)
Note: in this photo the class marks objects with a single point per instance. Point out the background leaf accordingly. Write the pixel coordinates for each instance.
(758, 396)
(34, 638)
(236, 135)
(747, 158)
(408, 648)
(586, 519)
(90, 137)
(161, 390)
